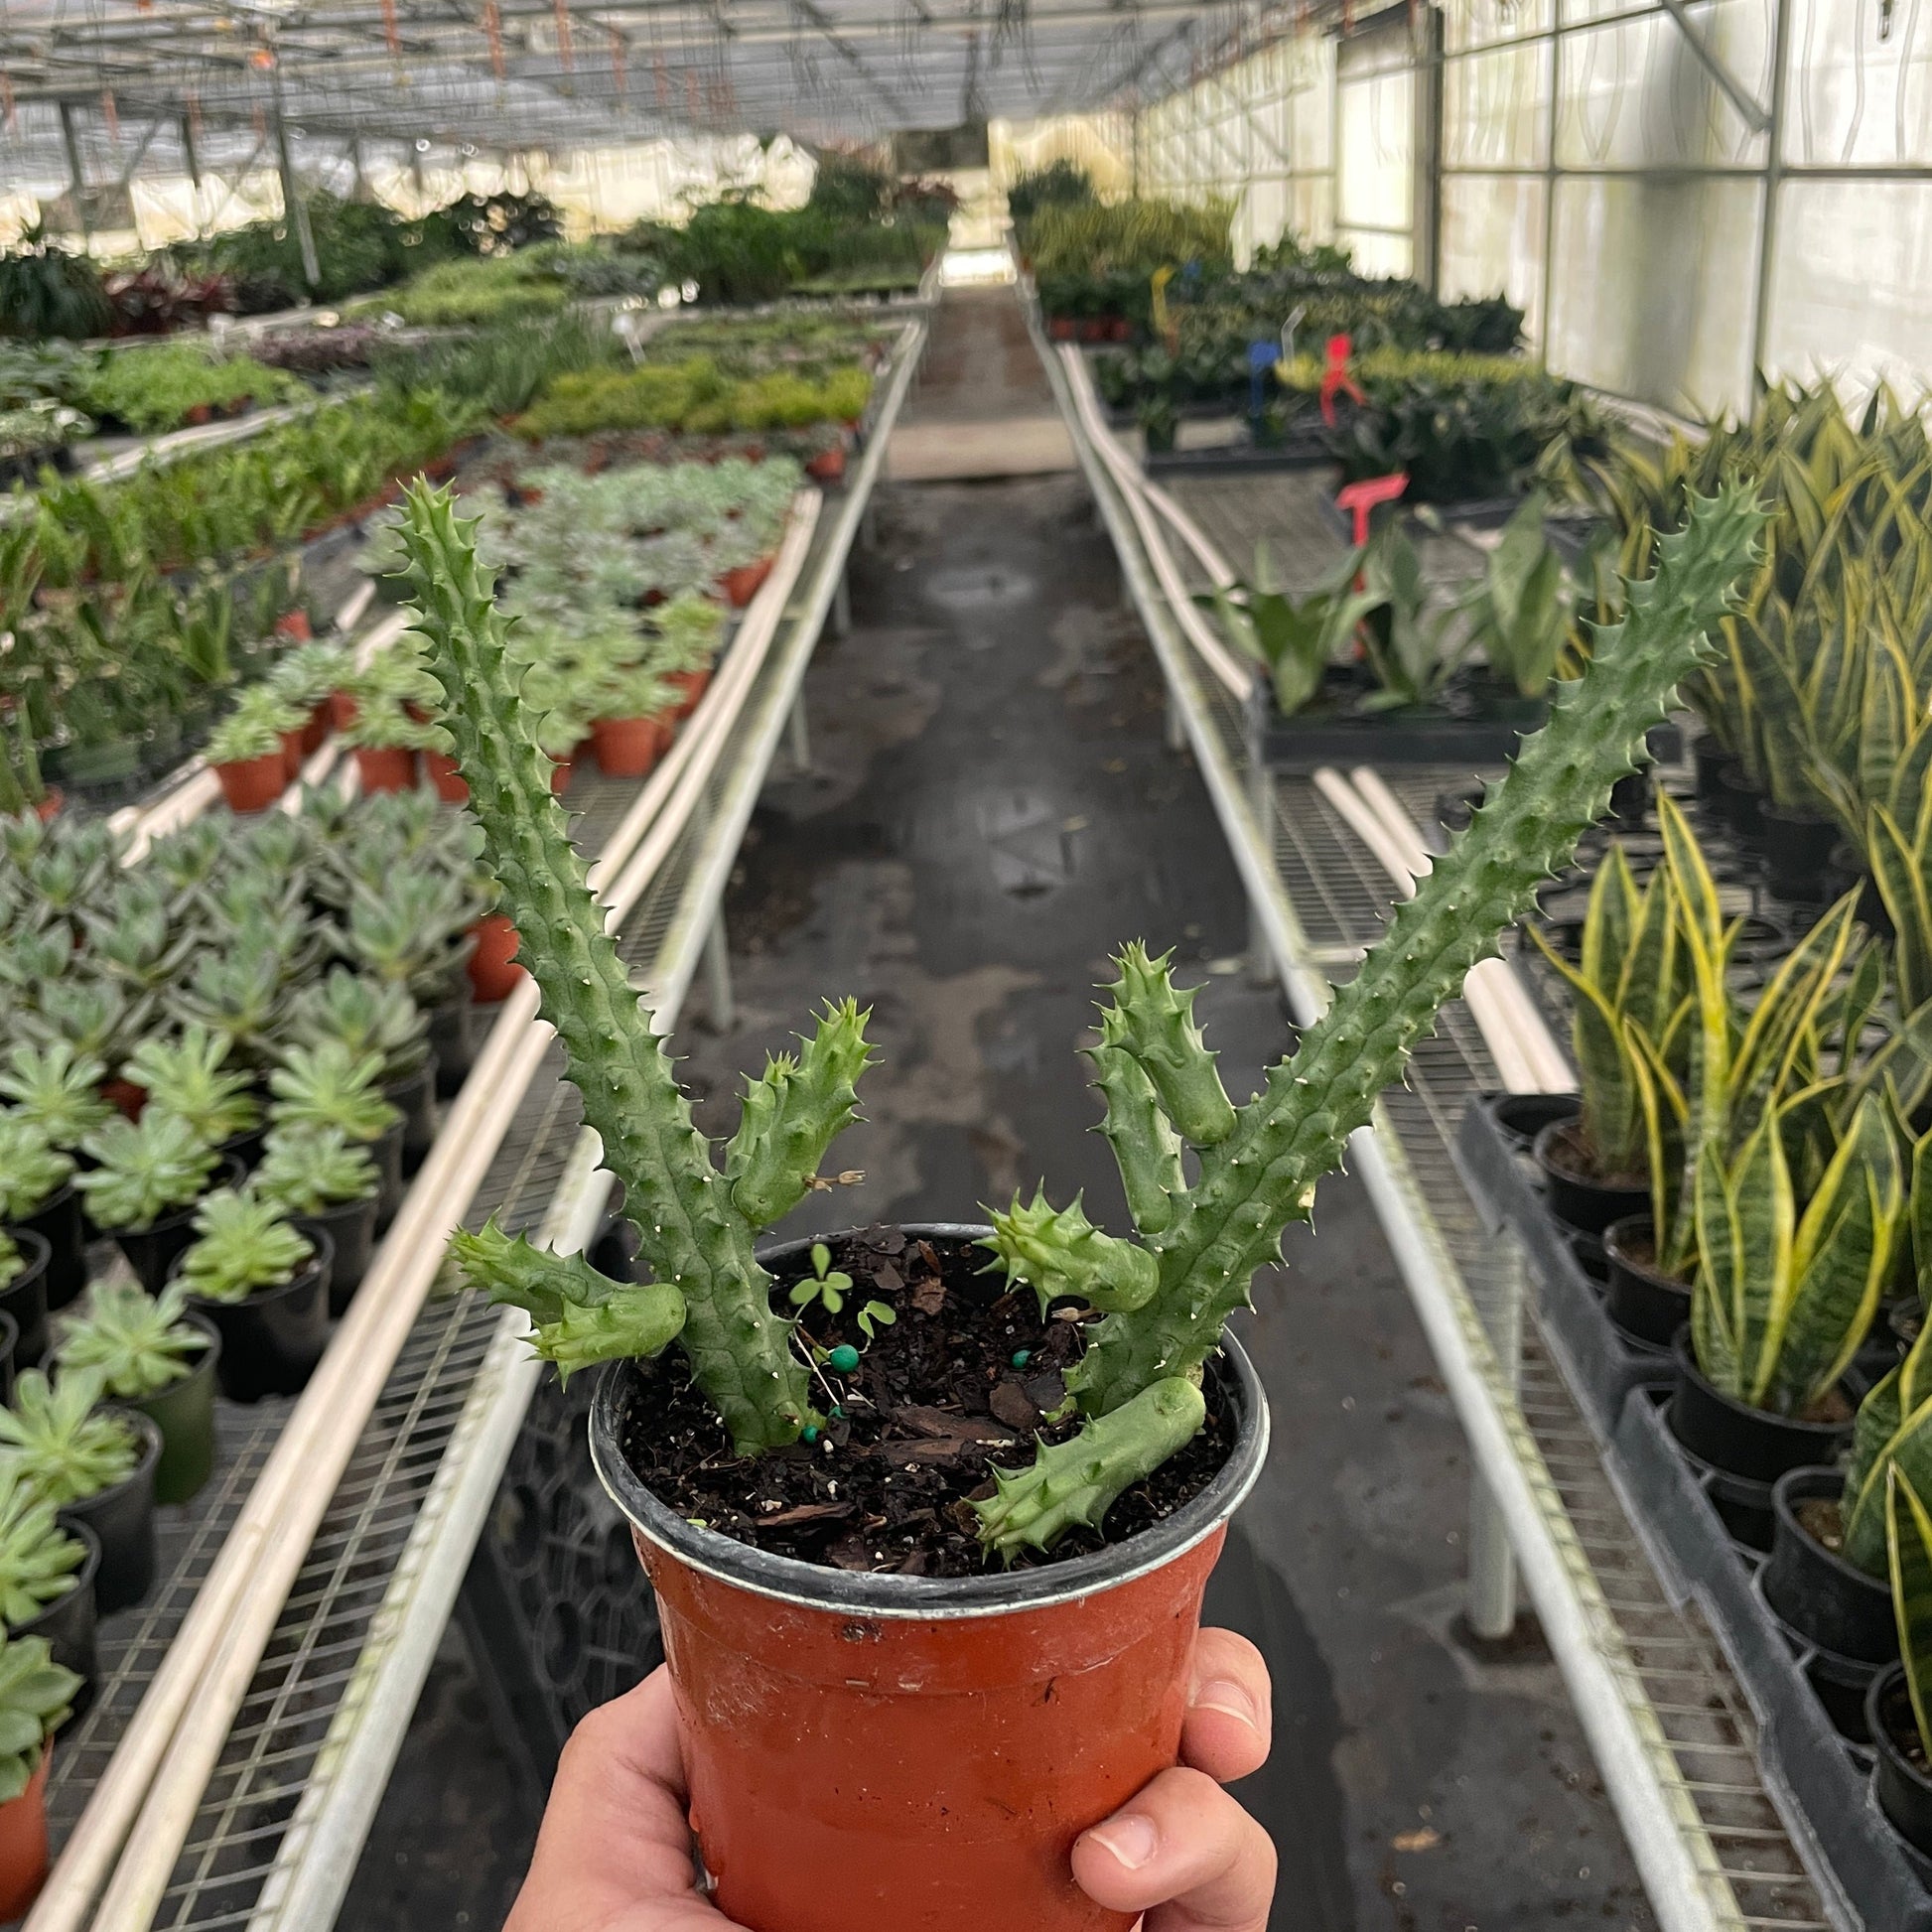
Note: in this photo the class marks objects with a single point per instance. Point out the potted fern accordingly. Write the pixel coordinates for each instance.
(35, 1700)
(264, 1285)
(95, 1466)
(155, 1356)
(38, 1196)
(328, 1186)
(46, 1578)
(992, 1650)
(332, 1085)
(141, 1192)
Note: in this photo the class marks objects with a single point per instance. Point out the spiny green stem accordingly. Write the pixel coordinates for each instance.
(1289, 1135)
(688, 1229)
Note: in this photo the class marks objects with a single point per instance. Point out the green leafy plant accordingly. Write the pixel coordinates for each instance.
(57, 1088)
(47, 289)
(187, 1076)
(35, 1698)
(32, 1168)
(11, 1263)
(146, 1168)
(242, 1242)
(1165, 1298)
(38, 1559)
(1520, 610)
(368, 1015)
(1296, 639)
(64, 1447)
(1408, 636)
(826, 1286)
(136, 1343)
(1909, 1535)
(331, 1085)
(305, 1169)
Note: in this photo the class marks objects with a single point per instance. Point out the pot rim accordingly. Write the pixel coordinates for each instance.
(1684, 1359)
(149, 1430)
(932, 1600)
(82, 1573)
(1547, 1133)
(1613, 1247)
(1830, 1481)
(1888, 1679)
(33, 1265)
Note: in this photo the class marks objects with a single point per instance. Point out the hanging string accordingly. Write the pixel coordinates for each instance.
(662, 76)
(565, 50)
(9, 112)
(617, 73)
(493, 34)
(112, 114)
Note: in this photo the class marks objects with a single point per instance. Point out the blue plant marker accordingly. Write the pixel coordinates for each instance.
(1262, 356)
(809, 1433)
(844, 1358)
(1022, 1356)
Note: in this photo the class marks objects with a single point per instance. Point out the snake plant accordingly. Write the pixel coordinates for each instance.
(1164, 1296)
(1908, 1537)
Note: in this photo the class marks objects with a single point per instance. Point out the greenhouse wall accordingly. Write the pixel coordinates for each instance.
(1672, 196)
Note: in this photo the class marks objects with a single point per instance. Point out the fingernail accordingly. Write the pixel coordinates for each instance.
(1224, 1695)
(1131, 1838)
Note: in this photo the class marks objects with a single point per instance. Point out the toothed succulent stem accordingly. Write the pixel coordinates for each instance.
(792, 1113)
(1078, 1481)
(1059, 1252)
(1147, 1149)
(689, 1232)
(1262, 1176)
(1154, 1021)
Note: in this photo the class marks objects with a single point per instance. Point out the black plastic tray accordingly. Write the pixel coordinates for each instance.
(1304, 449)
(1821, 1780)
(1308, 739)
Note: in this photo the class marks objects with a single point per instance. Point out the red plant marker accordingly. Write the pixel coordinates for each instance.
(1359, 498)
(1335, 379)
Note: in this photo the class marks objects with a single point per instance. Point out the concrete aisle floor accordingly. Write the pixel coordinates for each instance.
(990, 810)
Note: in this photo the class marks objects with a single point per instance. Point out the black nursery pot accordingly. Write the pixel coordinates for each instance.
(69, 1621)
(453, 1040)
(1743, 804)
(245, 1150)
(1576, 1200)
(1798, 848)
(24, 1298)
(1904, 1791)
(153, 1251)
(1640, 1300)
(350, 1229)
(1630, 798)
(1521, 1117)
(386, 1153)
(183, 1412)
(416, 1097)
(1813, 1589)
(9, 1341)
(61, 1224)
(1738, 1440)
(272, 1340)
(1710, 761)
(122, 1519)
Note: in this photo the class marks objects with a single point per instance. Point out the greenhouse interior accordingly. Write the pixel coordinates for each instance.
(966, 968)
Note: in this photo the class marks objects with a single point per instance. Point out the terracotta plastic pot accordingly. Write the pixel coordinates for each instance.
(387, 768)
(316, 730)
(492, 968)
(741, 585)
(693, 684)
(443, 776)
(627, 747)
(888, 1754)
(125, 1096)
(295, 625)
(342, 710)
(23, 1843)
(254, 785)
(828, 466)
(292, 751)
(560, 771)
(50, 806)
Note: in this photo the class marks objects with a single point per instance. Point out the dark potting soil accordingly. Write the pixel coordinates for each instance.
(1568, 1154)
(1822, 1521)
(936, 1403)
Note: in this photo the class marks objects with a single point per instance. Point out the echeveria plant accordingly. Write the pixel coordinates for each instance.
(1164, 1296)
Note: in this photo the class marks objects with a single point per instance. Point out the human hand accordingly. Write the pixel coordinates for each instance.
(615, 1850)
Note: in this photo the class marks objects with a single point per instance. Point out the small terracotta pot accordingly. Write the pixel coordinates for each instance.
(888, 1754)
(295, 625)
(254, 785)
(443, 776)
(694, 685)
(627, 747)
(342, 710)
(293, 752)
(50, 806)
(23, 1843)
(560, 771)
(492, 968)
(741, 585)
(316, 730)
(828, 466)
(386, 768)
(1061, 329)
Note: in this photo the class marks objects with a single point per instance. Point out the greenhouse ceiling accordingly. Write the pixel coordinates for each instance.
(124, 86)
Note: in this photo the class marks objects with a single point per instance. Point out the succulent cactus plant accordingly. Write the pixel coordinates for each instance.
(1166, 1296)
(36, 1697)
(243, 1242)
(38, 1557)
(65, 1447)
(135, 1342)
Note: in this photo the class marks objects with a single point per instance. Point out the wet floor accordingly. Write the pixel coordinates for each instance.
(990, 810)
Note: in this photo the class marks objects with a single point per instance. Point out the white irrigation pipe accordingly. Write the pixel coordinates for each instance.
(145, 1803)
(1528, 1060)
(1237, 677)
